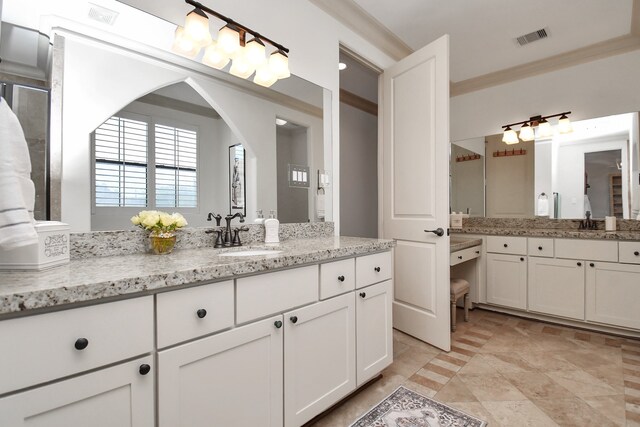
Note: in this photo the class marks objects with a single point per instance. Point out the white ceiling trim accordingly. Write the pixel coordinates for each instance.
(358, 20)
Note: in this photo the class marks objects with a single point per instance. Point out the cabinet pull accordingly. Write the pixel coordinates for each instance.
(363, 294)
(340, 278)
(478, 252)
(377, 269)
(521, 258)
(277, 324)
(592, 265)
(459, 256)
(144, 369)
(579, 264)
(506, 246)
(81, 343)
(201, 313)
(294, 319)
(539, 248)
(636, 253)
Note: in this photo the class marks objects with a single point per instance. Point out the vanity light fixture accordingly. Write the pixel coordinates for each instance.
(281, 122)
(231, 46)
(527, 130)
(342, 66)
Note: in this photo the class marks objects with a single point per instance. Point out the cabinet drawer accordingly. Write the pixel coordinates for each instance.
(193, 312)
(540, 247)
(629, 252)
(337, 278)
(373, 269)
(464, 255)
(266, 294)
(591, 250)
(507, 245)
(42, 347)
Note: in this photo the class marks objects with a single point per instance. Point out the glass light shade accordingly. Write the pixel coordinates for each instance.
(265, 77)
(196, 26)
(510, 136)
(281, 122)
(228, 40)
(183, 45)
(240, 67)
(544, 129)
(214, 57)
(254, 52)
(564, 125)
(279, 64)
(526, 133)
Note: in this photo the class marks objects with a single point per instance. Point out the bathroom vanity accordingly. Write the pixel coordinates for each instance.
(195, 338)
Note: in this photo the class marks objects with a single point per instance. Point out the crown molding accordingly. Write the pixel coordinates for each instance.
(607, 48)
(350, 14)
(358, 102)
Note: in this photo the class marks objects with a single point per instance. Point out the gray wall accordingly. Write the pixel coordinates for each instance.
(293, 202)
(358, 173)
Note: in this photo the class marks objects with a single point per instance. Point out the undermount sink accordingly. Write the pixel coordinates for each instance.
(251, 252)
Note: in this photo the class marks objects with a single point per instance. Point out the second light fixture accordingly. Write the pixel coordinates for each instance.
(527, 130)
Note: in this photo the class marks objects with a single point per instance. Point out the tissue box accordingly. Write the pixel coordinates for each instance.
(52, 249)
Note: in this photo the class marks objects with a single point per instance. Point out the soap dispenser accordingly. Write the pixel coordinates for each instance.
(271, 228)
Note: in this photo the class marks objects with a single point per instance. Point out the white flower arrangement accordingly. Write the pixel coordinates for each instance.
(159, 222)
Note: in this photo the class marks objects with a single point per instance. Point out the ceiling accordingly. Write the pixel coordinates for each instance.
(482, 32)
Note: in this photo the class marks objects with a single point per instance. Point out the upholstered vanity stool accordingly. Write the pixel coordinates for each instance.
(459, 288)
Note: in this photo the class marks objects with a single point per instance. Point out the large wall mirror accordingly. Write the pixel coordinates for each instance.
(592, 169)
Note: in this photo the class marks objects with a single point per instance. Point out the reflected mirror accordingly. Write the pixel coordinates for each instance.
(594, 168)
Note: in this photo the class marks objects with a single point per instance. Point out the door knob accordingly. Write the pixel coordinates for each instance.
(438, 232)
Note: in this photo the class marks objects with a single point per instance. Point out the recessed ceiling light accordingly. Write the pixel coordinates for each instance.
(281, 122)
(342, 66)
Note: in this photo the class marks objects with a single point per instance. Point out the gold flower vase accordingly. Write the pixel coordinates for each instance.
(162, 243)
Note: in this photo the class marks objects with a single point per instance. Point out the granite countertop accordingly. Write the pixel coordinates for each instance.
(92, 279)
(550, 232)
(458, 243)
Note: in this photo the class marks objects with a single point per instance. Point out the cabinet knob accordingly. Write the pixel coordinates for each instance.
(539, 248)
(81, 343)
(294, 319)
(636, 253)
(579, 264)
(377, 269)
(521, 258)
(363, 294)
(506, 246)
(340, 278)
(459, 256)
(278, 324)
(592, 264)
(201, 313)
(477, 252)
(144, 369)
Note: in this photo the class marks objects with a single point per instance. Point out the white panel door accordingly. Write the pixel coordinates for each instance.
(120, 396)
(374, 331)
(507, 280)
(230, 379)
(415, 190)
(613, 292)
(319, 357)
(556, 286)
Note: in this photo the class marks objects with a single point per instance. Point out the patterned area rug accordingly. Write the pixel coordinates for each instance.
(406, 408)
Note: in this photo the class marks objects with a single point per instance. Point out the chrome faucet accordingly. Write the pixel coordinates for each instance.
(227, 232)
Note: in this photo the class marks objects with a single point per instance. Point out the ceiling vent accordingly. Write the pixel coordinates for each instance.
(533, 36)
(102, 14)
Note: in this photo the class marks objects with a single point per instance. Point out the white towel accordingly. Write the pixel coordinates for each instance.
(320, 205)
(17, 192)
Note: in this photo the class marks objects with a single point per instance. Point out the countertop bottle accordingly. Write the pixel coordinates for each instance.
(271, 228)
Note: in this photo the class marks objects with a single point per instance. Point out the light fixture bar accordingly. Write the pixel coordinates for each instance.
(239, 26)
(536, 118)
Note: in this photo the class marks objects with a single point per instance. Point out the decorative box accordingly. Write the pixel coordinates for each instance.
(51, 250)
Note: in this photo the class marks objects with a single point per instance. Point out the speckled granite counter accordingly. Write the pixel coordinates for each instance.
(551, 232)
(458, 243)
(95, 278)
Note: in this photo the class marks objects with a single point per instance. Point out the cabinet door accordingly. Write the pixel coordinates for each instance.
(507, 280)
(556, 286)
(230, 379)
(119, 396)
(374, 334)
(613, 292)
(319, 355)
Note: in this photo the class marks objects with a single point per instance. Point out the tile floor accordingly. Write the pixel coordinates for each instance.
(514, 372)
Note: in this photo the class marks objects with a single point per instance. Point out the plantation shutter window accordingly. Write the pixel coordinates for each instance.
(176, 167)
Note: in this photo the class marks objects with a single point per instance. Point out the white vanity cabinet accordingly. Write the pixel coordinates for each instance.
(507, 280)
(613, 294)
(556, 287)
(230, 379)
(119, 396)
